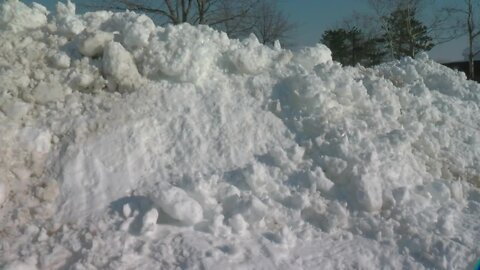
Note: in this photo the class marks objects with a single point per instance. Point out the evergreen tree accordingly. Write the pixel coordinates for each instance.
(336, 40)
(404, 35)
(351, 47)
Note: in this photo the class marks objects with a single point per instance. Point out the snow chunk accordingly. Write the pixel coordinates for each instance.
(149, 220)
(250, 207)
(126, 210)
(48, 192)
(319, 180)
(252, 57)
(15, 109)
(422, 56)
(183, 52)
(439, 191)
(91, 44)
(118, 64)
(238, 223)
(36, 140)
(368, 192)
(335, 216)
(16, 16)
(60, 60)
(137, 34)
(312, 56)
(17, 265)
(82, 81)
(401, 195)
(178, 204)
(3, 192)
(48, 92)
(68, 24)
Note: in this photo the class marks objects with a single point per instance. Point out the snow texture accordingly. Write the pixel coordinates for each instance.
(125, 145)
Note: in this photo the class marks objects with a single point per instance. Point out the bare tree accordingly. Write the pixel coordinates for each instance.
(236, 18)
(270, 23)
(467, 23)
(238, 26)
(472, 33)
(210, 12)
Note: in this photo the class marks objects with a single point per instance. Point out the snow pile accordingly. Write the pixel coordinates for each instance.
(125, 145)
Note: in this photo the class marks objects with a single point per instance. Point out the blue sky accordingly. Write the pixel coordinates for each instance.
(315, 16)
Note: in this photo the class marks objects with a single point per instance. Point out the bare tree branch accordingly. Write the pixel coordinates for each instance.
(466, 23)
(237, 18)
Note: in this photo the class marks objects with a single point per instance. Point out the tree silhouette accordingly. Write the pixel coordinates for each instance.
(351, 47)
(404, 35)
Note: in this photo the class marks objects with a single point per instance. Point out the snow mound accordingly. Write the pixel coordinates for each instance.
(127, 145)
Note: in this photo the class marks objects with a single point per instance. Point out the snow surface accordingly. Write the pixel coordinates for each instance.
(124, 145)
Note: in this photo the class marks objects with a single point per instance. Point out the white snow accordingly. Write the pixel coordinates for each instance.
(311, 56)
(137, 33)
(149, 220)
(61, 60)
(177, 204)
(3, 192)
(125, 145)
(67, 24)
(17, 17)
(92, 44)
(46, 92)
(119, 66)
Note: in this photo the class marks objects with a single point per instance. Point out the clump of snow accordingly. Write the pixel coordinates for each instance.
(312, 56)
(149, 220)
(47, 192)
(252, 57)
(238, 223)
(46, 92)
(67, 23)
(172, 53)
(119, 66)
(177, 204)
(19, 266)
(15, 109)
(137, 33)
(16, 16)
(3, 192)
(91, 44)
(61, 60)
(127, 145)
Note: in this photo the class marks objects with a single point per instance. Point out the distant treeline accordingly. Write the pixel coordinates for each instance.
(400, 28)
(463, 66)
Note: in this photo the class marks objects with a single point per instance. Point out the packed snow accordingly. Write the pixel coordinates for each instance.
(125, 145)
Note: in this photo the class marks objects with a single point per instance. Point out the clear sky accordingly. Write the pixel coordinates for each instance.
(313, 17)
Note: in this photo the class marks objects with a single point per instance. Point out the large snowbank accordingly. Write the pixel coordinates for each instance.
(124, 145)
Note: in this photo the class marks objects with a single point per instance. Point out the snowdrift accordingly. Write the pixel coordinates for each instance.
(124, 145)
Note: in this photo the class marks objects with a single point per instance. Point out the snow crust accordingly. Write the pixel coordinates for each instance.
(125, 145)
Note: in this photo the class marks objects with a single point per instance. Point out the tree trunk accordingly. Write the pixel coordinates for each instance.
(471, 63)
(471, 37)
